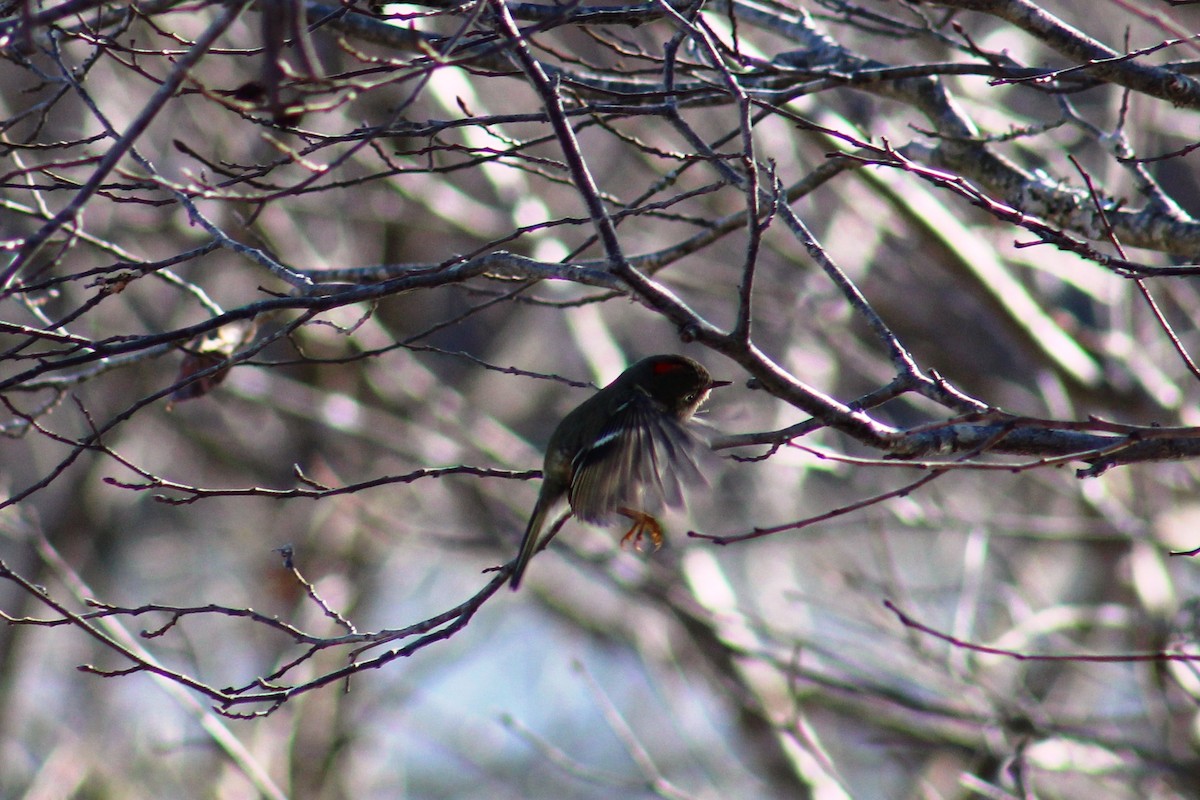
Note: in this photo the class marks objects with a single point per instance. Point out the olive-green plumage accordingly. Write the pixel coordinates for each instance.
(625, 441)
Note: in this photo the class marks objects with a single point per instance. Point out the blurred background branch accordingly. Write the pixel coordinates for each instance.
(320, 279)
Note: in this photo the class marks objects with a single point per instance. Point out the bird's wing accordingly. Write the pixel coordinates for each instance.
(640, 458)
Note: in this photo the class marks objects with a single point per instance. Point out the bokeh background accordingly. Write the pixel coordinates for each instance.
(766, 668)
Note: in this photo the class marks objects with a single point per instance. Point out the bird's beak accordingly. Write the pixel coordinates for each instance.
(719, 384)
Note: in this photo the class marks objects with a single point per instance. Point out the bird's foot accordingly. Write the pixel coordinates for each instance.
(643, 525)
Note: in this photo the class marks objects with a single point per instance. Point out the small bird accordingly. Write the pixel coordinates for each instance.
(625, 441)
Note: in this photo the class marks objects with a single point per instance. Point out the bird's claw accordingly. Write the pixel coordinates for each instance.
(643, 525)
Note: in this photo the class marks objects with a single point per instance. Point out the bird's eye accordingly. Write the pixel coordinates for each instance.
(689, 398)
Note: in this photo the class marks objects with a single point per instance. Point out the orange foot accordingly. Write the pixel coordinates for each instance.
(643, 524)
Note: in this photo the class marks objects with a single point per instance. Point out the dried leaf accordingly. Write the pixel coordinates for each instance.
(212, 350)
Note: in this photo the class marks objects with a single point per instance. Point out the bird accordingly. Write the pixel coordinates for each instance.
(625, 442)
